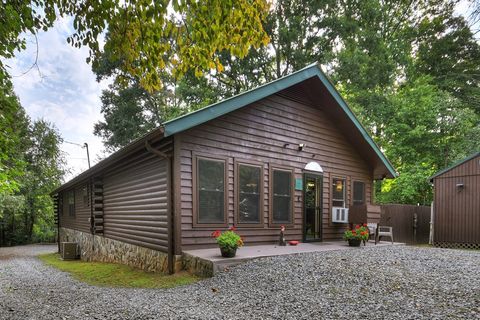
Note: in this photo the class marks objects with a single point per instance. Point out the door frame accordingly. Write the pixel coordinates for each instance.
(319, 180)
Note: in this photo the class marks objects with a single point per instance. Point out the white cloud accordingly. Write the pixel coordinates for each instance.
(64, 93)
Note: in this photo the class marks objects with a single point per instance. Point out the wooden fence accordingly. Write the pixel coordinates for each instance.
(411, 224)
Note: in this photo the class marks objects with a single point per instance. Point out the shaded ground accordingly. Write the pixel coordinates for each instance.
(380, 283)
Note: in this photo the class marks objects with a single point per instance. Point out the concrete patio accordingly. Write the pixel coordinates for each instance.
(207, 262)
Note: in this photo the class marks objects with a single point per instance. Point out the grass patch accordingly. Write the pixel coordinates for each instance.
(116, 275)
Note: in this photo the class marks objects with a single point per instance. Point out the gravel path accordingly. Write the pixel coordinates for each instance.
(376, 283)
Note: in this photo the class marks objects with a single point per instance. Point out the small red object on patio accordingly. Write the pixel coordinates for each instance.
(293, 242)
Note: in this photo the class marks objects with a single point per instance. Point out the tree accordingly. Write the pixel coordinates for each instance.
(31, 166)
(425, 133)
(45, 163)
(13, 129)
(147, 36)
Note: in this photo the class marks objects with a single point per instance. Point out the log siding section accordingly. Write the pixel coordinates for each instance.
(457, 210)
(268, 132)
(136, 200)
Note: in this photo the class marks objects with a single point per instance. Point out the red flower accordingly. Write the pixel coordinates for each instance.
(357, 227)
(232, 228)
(362, 233)
(365, 225)
(354, 232)
(216, 234)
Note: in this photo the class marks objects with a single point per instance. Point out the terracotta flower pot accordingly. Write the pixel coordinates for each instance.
(228, 252)
(354, 242)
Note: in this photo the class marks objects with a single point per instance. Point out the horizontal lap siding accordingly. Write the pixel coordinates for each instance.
(259, 132)
(457, 211)
(135, 201)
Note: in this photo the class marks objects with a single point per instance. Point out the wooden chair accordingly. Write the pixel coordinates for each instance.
(372, 230)
(384, 231)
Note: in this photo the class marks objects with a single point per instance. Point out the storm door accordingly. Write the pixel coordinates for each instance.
(312, 197)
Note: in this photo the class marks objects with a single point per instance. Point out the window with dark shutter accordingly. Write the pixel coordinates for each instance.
(211, 190)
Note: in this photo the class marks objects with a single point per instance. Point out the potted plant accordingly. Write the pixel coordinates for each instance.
(355, 236)
(228, 241)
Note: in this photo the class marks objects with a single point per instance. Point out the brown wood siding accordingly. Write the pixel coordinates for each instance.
(82, 213)
(135, 200)
(269, 132)
(457, 210)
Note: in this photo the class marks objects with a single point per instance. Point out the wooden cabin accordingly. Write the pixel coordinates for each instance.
(456, 204)
(290, 153)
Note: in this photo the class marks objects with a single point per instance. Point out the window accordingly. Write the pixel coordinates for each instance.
(338, 194)
(249, 187)
(210, 191)
(339, 210)
(358, 192)
(71, 202)
(281, 191)
(86, 202)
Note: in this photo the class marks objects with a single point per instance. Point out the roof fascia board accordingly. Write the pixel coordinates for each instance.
(118, 155)
(338, 98)
(236, 102)
(223, 107)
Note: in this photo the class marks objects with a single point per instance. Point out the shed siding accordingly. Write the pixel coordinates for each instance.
(260, 132)
(457, 211)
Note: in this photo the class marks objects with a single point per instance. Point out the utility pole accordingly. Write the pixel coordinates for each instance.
(88, 154)
(84, 146)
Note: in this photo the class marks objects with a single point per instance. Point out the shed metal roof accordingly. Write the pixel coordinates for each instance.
(456, 164)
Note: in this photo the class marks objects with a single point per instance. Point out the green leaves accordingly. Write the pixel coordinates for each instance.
(145, 36)
(31, 166)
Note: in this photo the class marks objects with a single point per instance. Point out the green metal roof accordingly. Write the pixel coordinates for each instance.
(236, 102)
(456, 164)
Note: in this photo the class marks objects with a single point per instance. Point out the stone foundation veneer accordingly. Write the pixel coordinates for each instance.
(98, 248)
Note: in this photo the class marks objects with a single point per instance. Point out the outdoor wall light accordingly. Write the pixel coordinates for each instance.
(301, 146)
(460, 186)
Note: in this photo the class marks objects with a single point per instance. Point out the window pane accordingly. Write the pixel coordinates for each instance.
(249, 193)
(337, 203)
(281, 209)
(211, 188)
(281, 182)
(211, 206)
(358, 192)
(211, 174)
(282, 196)
(71, 203)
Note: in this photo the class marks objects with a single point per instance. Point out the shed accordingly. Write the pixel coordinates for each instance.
(456, 204)
(290, 152)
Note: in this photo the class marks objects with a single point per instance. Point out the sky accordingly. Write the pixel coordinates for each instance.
(64, 91)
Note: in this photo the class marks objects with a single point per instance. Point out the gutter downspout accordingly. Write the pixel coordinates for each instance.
(170, 251)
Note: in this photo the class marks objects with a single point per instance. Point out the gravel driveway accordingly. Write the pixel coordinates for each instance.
(376, 283)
